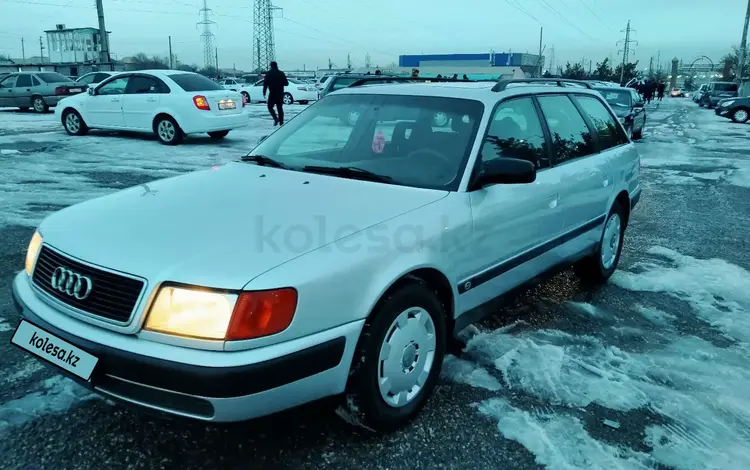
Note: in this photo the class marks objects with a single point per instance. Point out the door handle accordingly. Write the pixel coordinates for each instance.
(553, 200)
(28, 89)
(115, 100)
(151, 100)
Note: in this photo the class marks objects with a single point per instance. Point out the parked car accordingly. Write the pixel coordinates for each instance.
(736, 109)
(230, 84)
(716, 91)
(169, 103)
(296, 91)
(339, 81)
(94, 77)
(629, 108)
(699, 92)
(36, 90)
(176, 299)
(676, 93)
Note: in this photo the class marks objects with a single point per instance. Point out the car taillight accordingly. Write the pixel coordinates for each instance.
(201, 102)
(244, 101)
(61, 91)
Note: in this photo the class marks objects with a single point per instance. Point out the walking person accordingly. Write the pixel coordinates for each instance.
(660, 90)
(274, 83)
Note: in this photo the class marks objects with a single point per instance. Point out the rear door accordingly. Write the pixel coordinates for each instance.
(583, 171)
(6, 91)
(142, 97)
(104, 109)
(22, 90)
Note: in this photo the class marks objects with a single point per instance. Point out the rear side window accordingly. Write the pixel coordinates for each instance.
(516, 132)
(140, 84)
(571, 137)
(607, 130)
(99, 77)
(342, 83)
(24, 80)
(725, 87)
(52, 77)
(194, 82)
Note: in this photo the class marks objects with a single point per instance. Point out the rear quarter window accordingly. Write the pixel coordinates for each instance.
(53, 77)
(342, 83)
(194, 82)
(725, 87)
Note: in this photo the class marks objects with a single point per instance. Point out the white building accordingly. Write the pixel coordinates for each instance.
(73, 45)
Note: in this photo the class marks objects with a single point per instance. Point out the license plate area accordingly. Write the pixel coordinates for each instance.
(76, 90)
(54, 350)
(227, 104)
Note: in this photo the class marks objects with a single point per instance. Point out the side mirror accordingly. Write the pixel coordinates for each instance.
(638, 104)
(506, 171)
(91, 91)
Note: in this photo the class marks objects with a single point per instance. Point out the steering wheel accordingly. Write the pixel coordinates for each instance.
(446, 168)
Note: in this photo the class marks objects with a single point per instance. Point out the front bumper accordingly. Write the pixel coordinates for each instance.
(199, 384)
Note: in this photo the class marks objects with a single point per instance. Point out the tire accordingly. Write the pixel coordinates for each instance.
(168, 131)
(23, 108)
(597, 268)
(287, 98)
(73, 123)
(638, 135)
(218, 134)
(408, 319)
(37, 102)
(247, 96)
(741, 115)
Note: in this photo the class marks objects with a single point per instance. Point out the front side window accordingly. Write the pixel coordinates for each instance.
(24, 80)
(342, 83)
(571, 137)
(608, 132)
(100, 77)
(411, 140)
(115, 87)
(87, 79)
(516, 132)
(730, 87)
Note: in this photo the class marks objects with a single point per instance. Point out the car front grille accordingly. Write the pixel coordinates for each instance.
(112, 296)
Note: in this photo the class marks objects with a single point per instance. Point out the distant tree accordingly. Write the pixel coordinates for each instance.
(209, 72)
(631, 72)
(141, 61)
(603, 71)
(574, 71)
(188, 67)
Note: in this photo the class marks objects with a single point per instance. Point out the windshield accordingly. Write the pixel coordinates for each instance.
(194, 82)
(52, 77)
(416, 141)
(616, 98)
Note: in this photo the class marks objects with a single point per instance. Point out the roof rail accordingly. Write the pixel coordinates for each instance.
(503, 84)
(393, 79)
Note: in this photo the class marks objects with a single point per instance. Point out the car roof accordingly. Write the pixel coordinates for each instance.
(607, 88)
(479, 91)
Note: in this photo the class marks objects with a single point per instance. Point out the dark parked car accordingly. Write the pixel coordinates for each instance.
(736, 109)
(629, 108)
(717, 91)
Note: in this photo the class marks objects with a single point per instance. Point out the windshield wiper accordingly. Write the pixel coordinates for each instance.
(263, 161)
(349, 172)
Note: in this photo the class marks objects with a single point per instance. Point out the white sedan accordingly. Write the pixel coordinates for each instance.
(169, 103)
(297, 90)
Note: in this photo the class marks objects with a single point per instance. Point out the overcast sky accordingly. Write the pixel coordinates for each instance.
(308, 32)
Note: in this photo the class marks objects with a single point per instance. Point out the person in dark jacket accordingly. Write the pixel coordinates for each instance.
(660, 90)
(274, 84)
(465, 77)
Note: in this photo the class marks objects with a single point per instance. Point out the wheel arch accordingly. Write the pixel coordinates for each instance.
(163, 113)
(623, 198)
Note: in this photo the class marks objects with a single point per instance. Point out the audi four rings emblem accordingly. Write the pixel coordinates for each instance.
(71, 283)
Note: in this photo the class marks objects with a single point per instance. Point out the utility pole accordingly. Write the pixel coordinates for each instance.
(591, 64)
(207, 36)
(103, 38)
(217, 63)
(171, 64)
(552, 59)
(23, 50)
(348, 62)
(539, 60)
(625, 51)
(41, 49)
(743, 46)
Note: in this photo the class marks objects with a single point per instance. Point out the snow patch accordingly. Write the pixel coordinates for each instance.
(8, 152)
(4, 325)
(461, 371)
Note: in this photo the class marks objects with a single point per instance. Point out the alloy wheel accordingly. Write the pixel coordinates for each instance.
(611, 241)
(72, 123)
(166, 131)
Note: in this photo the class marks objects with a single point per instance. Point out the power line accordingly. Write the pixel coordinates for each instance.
(625, 50)
(554, 10)
(595, 15)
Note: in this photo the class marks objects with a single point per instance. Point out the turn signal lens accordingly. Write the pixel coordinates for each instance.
(34, 245)
(201, 103)
(262, 313)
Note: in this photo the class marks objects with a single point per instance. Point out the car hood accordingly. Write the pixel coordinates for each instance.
(223, 227)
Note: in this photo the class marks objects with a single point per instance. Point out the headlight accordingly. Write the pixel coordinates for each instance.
(727, 103)
(208, 314)
(31, 254)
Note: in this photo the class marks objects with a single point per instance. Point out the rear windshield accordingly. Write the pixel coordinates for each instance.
(343, 83)
(194, 82)
(725, 86)
(53, 77)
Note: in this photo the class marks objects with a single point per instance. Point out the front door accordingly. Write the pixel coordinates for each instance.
(515, 225)
(22, 91)
(104, 108)
(6, 91)
(141, 99)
